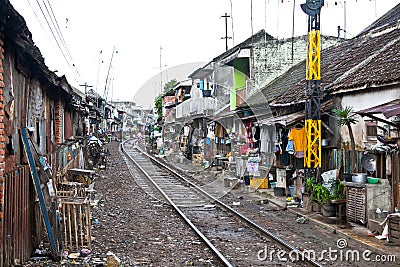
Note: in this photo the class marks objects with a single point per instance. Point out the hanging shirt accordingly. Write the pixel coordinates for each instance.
(299, 139)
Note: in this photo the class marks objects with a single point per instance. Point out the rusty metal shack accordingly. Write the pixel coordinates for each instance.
(35, 98)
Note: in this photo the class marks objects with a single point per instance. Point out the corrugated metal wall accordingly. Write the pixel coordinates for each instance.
(18, 217)
(333, 158)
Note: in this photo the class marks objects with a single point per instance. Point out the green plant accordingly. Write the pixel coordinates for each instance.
(347, 117)
(310, 183)
(321, 194)
(340, 191)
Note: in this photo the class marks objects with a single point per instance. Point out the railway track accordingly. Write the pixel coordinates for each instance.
(234, 239)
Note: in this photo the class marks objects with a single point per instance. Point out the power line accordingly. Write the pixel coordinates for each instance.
(233, 33)
(57, 26)
(37, 17)
(108, 74)
(55, 38)
(60, 35)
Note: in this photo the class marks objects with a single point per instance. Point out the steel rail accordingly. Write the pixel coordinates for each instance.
(183, 216)
(253, 224)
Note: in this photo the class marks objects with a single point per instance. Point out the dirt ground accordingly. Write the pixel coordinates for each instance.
(141, 231)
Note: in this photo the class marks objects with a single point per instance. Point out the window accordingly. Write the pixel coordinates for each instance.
(371, 130)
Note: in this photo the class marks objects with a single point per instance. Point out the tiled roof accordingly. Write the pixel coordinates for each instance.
(390, 18)
(357, 63)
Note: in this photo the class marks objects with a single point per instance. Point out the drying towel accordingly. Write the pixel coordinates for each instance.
(290, 147)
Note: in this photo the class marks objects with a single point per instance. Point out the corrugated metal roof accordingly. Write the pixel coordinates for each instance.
(363, 62)
(388, 109)
(285, 120)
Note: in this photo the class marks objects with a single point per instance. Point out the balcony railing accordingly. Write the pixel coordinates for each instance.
(195, 107)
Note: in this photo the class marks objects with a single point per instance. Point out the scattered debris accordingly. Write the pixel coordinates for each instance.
(302, 220)
(113, 260)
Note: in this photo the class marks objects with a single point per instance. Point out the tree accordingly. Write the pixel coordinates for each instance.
(158, 101)
(158, 105)
(346, 117)
(168, 87)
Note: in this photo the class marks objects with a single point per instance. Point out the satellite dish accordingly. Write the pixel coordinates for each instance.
(368, 161)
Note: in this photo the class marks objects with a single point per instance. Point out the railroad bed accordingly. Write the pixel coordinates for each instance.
(234, 239)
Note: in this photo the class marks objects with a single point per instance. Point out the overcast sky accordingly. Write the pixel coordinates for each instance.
(188, 31)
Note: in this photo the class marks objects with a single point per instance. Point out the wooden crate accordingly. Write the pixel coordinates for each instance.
(76, 224)
(394, 229)
(71, 189)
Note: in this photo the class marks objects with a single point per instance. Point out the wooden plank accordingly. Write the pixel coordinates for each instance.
(75, 227)
(88, 228)
(70, 227)
(81, 226)
(38, 185)
(65, 225)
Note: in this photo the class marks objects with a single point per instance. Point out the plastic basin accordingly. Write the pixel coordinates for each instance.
(372, 180)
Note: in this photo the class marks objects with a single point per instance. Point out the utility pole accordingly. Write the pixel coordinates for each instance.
(86, 86)
(106, 87)
(108, 73)
(98, 71)
(312, 155)
(226, 16)
(161, 85)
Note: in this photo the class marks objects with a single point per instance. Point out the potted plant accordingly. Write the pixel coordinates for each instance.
(339, 199)
(317, 197)
(328, 208)
(307, 194)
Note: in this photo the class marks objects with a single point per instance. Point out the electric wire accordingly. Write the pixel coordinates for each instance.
(51, 29)
(59, 33)
(37, 17)
(251, 17)
(55, 38)
(265, 21)
(57, 27)
(277, 23)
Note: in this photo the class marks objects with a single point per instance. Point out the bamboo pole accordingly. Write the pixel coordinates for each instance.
(81, 226)
(69, 227)
(75, 227)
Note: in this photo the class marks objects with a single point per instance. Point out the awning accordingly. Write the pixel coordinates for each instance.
(240, 53)
(292, 118)
(388, 109)
(230, 57)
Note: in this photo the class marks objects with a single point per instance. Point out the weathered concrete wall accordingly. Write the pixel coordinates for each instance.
(273, 58)
(378, 196)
